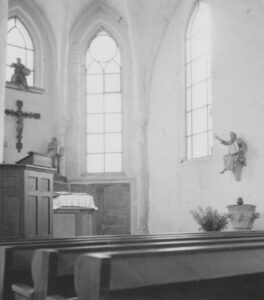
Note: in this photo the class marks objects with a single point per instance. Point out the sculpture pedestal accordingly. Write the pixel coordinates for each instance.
(242, 216)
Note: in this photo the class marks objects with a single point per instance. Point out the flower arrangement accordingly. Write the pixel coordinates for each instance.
(210, 219)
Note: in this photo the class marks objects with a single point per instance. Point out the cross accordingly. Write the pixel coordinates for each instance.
(20, 116)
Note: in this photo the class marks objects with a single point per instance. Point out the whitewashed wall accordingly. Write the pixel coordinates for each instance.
(3, 24)
(151, 34)
(176, 185)
(36, 133)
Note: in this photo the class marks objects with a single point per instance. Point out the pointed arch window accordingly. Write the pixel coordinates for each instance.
(103, 105)
(19, 44)
(198, 84)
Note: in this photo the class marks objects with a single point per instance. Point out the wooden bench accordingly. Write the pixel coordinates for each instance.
(211, 272)
(10, 271)
(52, 269)
(16, 257)
(186, 235)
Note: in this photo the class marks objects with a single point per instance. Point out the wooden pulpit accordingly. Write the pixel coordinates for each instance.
(26, 193)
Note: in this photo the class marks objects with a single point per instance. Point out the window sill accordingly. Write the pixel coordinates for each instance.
(187, 161)
(101, 178)
(31, 89)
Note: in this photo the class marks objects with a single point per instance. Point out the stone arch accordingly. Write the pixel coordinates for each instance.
(95, 17)
(40, 32)
(91, 20)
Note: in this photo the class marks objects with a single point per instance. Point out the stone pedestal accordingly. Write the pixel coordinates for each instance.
(242, 216)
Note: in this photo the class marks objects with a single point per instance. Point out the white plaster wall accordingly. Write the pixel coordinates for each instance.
(138, 28)
(147, 21)
(62, 76)
(178, 186)
(3, 28)
(151, 33)
(36, 133)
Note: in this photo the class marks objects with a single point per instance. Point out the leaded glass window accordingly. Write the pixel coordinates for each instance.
(103, 105)
(198, 84)
(19, 44)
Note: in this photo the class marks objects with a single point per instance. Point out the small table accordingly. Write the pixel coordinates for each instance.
(74, 215)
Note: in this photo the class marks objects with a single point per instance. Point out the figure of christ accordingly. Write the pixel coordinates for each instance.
(235, 159)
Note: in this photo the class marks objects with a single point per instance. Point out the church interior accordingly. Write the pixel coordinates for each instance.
(124, 127)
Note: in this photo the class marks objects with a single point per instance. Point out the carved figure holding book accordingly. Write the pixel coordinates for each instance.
(20, 73)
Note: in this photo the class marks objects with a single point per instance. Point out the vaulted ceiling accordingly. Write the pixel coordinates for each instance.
(139, 14)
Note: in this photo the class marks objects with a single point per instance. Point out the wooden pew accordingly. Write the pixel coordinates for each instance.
(11, 271)
(211, 272)
(186, 235)
(52, 269)
(16, 257)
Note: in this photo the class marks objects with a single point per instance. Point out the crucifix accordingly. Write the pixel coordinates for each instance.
(20, 116)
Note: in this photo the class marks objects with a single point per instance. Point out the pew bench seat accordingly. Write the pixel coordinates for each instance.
(23, 292)
(52, 269)
(16, 256)
(102, 275)
(58, 297)
(15, 263)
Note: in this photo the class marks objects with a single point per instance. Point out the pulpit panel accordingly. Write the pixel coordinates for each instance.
(43, 219)
(10, 208)
(32, 183)
(45, 185)
(10, 182)
(25, 201)
(31, 210)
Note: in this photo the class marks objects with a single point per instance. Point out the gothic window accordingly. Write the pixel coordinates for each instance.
(198, 84)
(19, 45)
(103, 105)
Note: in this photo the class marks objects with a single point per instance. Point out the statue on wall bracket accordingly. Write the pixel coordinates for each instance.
(20, 73)
(55, 151)
(235, 159)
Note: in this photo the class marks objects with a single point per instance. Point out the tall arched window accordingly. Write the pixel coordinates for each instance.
(19, 44)
(198, 84)
(103, 105)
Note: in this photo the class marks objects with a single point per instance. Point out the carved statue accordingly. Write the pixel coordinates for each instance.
(20, 73)
(235, 160)
(60, 153)
(55, 152)
(52, 151)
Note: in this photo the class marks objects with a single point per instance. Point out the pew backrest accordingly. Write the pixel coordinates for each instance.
(99, 274)
(13, 255)
(49, 264)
